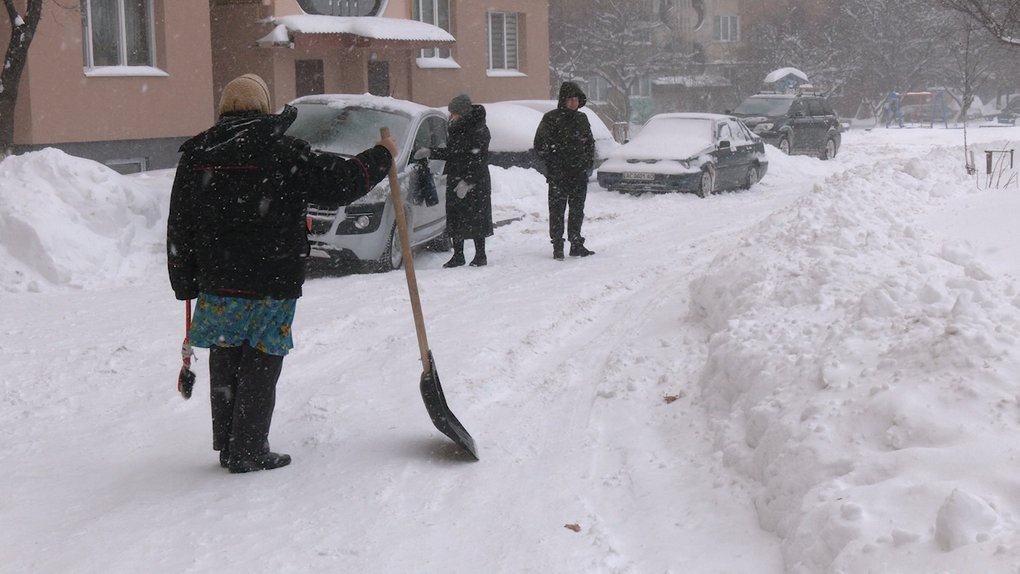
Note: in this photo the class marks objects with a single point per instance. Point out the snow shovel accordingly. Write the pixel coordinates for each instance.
(431, 391)
(186, 378)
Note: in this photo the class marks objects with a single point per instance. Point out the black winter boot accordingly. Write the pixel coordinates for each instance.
(264, 461)
(480, 260)
(458, 254)
(558, 249)
(579, 250)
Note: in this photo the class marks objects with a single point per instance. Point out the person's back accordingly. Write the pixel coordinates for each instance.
(248, 203)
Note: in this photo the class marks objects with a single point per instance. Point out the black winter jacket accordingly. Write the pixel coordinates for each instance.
(467, 164)
(237, 209)
(563, 140)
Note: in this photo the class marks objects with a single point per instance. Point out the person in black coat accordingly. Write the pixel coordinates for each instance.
(565, 144)
(468, 185)
(237, 241)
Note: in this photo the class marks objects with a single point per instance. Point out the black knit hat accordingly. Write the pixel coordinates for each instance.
(460, 105)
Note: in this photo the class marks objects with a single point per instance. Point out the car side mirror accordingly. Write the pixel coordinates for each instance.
(724, 144)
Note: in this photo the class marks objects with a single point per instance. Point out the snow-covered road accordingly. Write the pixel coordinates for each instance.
(616, 393)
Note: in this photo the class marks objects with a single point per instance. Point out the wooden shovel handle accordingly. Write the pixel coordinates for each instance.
(405, 249)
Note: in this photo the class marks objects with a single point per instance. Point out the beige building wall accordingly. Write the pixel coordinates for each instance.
(436, 87)
(236, 28)
(59, 103)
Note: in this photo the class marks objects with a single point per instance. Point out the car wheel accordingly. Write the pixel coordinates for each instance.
(707, 185)
(392, 257)
(784, 145)
(752, 177)
(830, 149)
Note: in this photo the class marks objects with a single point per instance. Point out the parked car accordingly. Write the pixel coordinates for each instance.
(512, 127)
(1010, 113)
(604, 142)
(364, 232)
(794, 123)
(699, 153)
(513, 124)
(936, 105)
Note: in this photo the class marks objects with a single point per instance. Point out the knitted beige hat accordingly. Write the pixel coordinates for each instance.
(247, 93)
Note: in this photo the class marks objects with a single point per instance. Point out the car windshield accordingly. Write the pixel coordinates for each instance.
(344, 130)
(697, 132)
(764, 106)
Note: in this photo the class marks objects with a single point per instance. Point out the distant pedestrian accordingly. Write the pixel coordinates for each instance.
(565, 145)
(237, 241)
(468, 185)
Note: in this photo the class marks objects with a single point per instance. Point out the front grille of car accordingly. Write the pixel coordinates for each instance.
(320, 220)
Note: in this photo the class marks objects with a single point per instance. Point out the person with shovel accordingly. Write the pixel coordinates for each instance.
(236, 242)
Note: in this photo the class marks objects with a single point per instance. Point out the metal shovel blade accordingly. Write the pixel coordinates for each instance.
(442, 416)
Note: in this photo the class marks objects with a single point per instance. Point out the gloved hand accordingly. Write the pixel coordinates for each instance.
(422, 153)
(463, 188)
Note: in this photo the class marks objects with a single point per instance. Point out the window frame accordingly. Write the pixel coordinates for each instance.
(437, 21)
(726, 28)
(505, 65)
(308, 6)
(88, 31)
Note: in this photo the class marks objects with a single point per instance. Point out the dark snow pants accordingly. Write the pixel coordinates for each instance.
(242, 392)
(564, 193)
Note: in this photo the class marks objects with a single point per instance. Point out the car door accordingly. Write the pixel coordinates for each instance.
(819, 124)
(427, 221)
(726, 156)
(743, 150)
(801, 125)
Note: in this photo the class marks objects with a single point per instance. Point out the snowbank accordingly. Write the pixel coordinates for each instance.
(71, 222)
(857, 367)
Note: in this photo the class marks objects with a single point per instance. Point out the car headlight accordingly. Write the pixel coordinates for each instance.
(763, 127)
(685, 163)
(362, 222)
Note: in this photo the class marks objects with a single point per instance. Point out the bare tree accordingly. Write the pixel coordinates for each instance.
(22, 32)
(620, 41)
(1000, 17)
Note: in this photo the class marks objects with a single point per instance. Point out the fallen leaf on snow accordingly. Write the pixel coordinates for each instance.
(574, 526)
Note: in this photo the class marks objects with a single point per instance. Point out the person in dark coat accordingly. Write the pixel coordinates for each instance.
(468, 185)
(236, 241)
(564, 143)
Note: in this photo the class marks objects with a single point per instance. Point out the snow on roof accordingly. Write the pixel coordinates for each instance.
(374, 27)
(698, 81)
(385, 103)
(776, 75)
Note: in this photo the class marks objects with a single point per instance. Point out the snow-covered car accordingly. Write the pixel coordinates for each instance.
(512, 127)
(604, 142)
(364, 232)
(699, 153)
(513, 124)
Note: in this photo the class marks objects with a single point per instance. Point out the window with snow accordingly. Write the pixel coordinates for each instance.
(502, 41)
(117, 33)
(437, 13)
(727, 29)
(343, 7)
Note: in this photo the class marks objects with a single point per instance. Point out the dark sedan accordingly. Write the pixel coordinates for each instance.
(699, 153)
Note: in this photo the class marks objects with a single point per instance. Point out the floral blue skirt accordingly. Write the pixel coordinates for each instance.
(232, 321)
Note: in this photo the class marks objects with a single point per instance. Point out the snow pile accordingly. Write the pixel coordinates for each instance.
(856, 365)
(71, 222)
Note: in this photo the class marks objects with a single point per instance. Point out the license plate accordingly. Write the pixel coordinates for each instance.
(639, 176)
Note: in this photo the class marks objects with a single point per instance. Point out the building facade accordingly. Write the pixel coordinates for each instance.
(125, 82)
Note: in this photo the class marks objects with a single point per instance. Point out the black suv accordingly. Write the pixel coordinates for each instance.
(794, 123)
